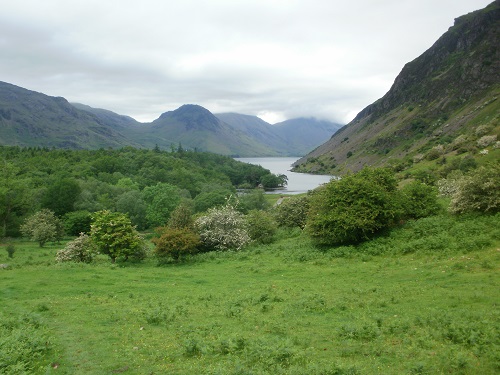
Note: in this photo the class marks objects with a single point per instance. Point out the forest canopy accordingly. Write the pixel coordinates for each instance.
(71, 181)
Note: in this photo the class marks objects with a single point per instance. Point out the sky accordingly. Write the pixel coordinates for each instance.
(276, 59)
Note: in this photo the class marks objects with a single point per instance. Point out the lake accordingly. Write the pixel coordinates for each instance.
(297, 182)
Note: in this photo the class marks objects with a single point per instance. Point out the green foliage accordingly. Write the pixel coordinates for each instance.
(419, 200)
(162, 200)
(114, 235)
(209, 199)
(292, 212)
(354, 208)
(77, 222)
(82, 249)
(24, 341)
(272, 181)
(252, 200)
(175, 243)
(182, 216)
(262, 226)
(42, 227)
(132, 204)
(60, 197)
(223, 228)
(478, 192)
(11, 249)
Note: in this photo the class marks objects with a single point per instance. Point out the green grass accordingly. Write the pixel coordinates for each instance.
(419, 300)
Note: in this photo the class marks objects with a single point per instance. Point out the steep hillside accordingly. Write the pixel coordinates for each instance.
(29, 118)
(441, 108)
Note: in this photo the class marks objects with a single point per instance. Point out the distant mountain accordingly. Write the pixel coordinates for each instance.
(440, 107)
(293, 137)
(29, 118)
(304, 134)
(197, 128)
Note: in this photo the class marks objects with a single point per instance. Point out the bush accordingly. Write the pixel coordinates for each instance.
(42, 227)
(292, 212)
(352, 209)
(419, 200)
(77, 222)
(478, 192)
(252, 200)
(175, 243)
(261, 226)
(81, 249)
(114, 235)
(11, 249)
(223, 228)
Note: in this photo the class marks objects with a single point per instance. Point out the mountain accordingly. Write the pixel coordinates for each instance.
(304, 134)
(293, 137)
(197, 128)
(442, 104)
(29, 118)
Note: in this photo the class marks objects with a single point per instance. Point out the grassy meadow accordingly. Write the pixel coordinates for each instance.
(422, 299)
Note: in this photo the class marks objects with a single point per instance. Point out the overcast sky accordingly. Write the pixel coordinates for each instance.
(277, 59)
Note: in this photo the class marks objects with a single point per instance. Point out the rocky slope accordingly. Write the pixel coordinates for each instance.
(442, 105)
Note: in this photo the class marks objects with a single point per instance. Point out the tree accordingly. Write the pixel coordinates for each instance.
(60, 197)
(42, 227)
(273, 181)
(161, 200)
(355, 207)
(114, 235)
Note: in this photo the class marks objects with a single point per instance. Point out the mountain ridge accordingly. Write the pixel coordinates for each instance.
(29, 118)
(437, 101)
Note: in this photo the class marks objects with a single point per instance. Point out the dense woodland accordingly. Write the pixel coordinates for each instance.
(145, 184)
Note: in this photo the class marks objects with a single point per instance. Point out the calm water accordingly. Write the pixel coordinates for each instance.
(297, 182)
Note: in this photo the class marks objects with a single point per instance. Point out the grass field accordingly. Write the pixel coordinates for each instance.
(420, 300)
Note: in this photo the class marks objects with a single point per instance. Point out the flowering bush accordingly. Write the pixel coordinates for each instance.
(223, 228)
(486, 140)
(478, 192)
(42, 227)
(81, 249)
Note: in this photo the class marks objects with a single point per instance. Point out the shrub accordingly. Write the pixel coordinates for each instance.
(175, 243)
(42, 227)
(223, 228)
(81, 249)
(478, 192)
(261, 226)
(486, 140)
(353, 208)
(252, 200)
(292, 212)
(11, 249)
(114, 235)
(419, 200)
(77, 222)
